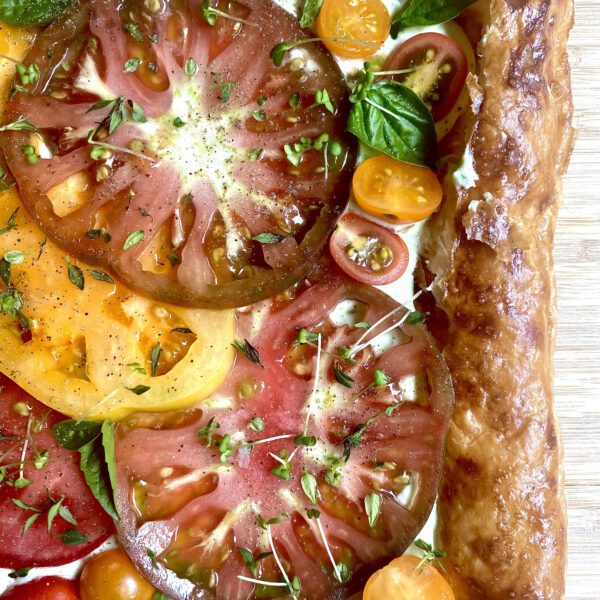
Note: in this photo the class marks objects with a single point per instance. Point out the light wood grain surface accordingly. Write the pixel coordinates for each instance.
(577, 360)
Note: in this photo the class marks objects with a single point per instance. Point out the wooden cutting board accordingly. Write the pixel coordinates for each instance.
(577, 361)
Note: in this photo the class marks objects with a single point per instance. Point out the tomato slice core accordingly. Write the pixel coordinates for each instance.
(47, 475)
(438, 70)
(200, 146)
(368, 252)
(259, 443)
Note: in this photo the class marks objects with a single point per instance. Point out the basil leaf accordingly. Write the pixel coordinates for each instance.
(309, 486)
(108, 443)
(427, 12)
(373, 507)
(73, 435)
(392, 119)
(309, 12)
(96, 475)
(24, 13)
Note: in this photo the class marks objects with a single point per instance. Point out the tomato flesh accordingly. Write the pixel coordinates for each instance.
(255, 501)
(438, 70)
(45, 588)
(366, 22)
(368, 252)
(58, 476)
(396, 192)
(225, 151)
(407, 578)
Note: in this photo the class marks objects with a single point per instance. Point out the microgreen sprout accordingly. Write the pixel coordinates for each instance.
(279, 51)
(210, 14)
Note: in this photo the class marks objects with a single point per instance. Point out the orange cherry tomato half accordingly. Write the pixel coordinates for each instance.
(45, 588)
(404, 579)
(368, 252)
(111, 575)
(438, 70)
(394, 191)
(366, 21)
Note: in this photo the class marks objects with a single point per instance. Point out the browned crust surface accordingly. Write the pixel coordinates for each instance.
(501, 508)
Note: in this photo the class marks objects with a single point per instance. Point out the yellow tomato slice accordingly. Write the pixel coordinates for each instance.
(405, 579)
(365, 21)
(89, 346)
(394, 191)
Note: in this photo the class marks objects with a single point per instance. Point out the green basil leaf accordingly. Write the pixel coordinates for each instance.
(25, 13)
(309, 12)
(392, 119)
(108, 443)
(97, 476)
(373, 507)
(309, 486)
(427, 12)
(73, 435)
(73, 537)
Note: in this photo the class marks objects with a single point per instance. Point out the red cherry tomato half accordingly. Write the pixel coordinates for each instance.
(46, 588)
(439, 70)
(368, 252)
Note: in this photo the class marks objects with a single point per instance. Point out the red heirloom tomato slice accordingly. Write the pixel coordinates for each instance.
(177, 154)
(439, 70)
(316, 463)
(46, 588)
(37, 474)
(367, 251)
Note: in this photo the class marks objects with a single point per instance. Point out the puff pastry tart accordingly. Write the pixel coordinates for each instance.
(275, 279)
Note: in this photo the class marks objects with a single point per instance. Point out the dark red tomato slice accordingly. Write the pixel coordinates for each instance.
(439, 70)
(46, 588)
(208, 493)
(367, 251)
(232, 147)
(54, 474)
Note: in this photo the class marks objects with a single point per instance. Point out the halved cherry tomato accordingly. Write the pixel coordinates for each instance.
(406, 579)
(394, 191)
(46, 588)
(368, 252)
(111, 575)
(366, 21)
(439, 70)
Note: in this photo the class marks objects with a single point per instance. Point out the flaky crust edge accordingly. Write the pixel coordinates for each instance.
(501, 509)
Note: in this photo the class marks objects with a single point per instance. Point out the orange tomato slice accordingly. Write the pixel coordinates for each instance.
(365, 21)
(405, 579)
(394, 191)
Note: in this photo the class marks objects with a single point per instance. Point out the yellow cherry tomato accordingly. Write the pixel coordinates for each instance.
(111, 576)
(365, 21)
(90, 348)
(394, 191)
(404, 579)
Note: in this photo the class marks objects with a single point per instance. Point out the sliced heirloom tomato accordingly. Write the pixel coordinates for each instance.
(408, 578)
(36, 475)
(199, 145)
(438, 70)
(308, 469)
(45, 588)
(395, 191)
(366, 22)
(367, 251)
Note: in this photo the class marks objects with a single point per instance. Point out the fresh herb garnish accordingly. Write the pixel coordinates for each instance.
(259, 115)
(210, 14)
(131, 65)
(432, 555)
(305, 440)
(73, 537)
(22, 572)
(27, 13)
(75, 274)
(249, 559)
(313, 513)
(154, 358)
(225, 87)
(191, 67)
(20, 124)
(179, 122)
(269, 238)
(249, 351)
(14, 257)
(415, 318)
(322, 99)
(284, 469)
(134, 31)
(135, 237)
(137, 368)
(342, 377)
(5, 271)
(274, 521)
(5, 184)
(362, 325)
(94, 234)
(373, 507)
(389, 117)
(257, 424)
(101, 276)
(138, 390)
(380, 378)
(206, 432)
(279, 51)
(10, 224)
(31, 156)
(309, 12)
(310, 487)
(419, 13)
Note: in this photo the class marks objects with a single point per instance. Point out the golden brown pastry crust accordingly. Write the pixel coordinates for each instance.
(501, 508)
